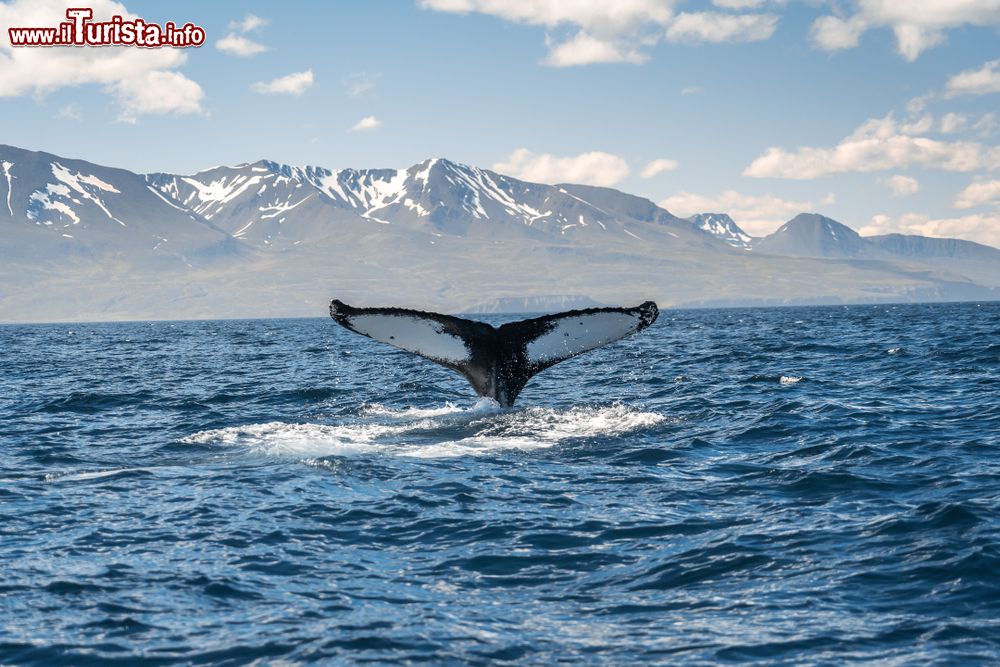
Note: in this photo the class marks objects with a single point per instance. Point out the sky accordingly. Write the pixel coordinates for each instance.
(881, 114)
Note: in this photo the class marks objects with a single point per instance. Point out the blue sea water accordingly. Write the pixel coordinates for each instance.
(795, 485)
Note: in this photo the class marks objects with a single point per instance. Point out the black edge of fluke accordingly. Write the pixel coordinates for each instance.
(497, 362)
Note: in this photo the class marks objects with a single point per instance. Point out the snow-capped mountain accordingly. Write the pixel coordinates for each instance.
(721, 226)
(80, 211)
(83, 241)
(253, 202)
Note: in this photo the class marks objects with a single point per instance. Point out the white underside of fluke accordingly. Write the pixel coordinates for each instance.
(579, 333)
(413, 334)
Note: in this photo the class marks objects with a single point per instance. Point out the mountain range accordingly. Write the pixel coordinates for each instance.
(81, 241)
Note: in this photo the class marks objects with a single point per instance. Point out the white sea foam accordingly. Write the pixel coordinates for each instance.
(443, 432)
(484, 405)
(789, 379)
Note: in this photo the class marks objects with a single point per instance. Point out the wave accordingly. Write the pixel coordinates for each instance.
(780, 379)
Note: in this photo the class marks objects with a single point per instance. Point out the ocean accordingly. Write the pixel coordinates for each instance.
(791, 485)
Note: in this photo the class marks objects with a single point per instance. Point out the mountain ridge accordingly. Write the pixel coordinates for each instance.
(267, 239)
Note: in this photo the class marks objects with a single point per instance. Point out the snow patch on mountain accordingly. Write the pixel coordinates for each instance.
(6, 172)
(721, 226)
(43, 199)
(60, 195)
(207, 198)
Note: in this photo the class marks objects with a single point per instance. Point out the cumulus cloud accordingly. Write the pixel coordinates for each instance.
(981, 228)
(120, 71)
(718, 27)
(980, 192)
(658, 166)
(604, 31)
(592, 168)
(366, 123)
(878, 144)
(917, 26)
(249, 23)
(901, 186)
(832, 33)
(591, 16)
(238, 45)
(920, 125)
(980, 81)
(757, 215)
(953, 122)
(295, 83)
(738, 4)
(157, 92)
(582, 32)
(692, 90)
(585, 49)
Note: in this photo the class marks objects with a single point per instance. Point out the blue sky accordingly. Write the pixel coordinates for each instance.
(881, 116)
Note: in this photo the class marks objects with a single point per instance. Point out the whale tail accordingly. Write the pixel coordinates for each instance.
(497, 361)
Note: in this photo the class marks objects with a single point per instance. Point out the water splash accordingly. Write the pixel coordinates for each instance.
(443, 432)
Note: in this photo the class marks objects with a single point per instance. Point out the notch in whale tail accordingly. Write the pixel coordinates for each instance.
(497, 361)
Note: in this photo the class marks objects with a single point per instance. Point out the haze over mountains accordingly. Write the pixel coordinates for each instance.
(81, 241)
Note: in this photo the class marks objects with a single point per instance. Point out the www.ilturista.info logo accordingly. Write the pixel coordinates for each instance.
(118, 31)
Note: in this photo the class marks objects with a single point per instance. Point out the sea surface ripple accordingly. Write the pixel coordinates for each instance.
(794, 485)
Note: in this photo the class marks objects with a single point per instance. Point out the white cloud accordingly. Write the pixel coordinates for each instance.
(901, 186)
(366, 123)
(120, 71)
(986, 124)
(249, 23)
(70, 112)
(692, 90)
(917, 25)
(585, 49)
(918, 104)
(952, 122)
(590, 32)
(238, 45)
(595, 17)
(718, 27)
(831, 33)
(980, 81)
(921, 125)
(738, 4)
(593, 168)
(157, 92)
(878, 144)
(658, 166)
(912, 40)
(606, 31)
(980, 192)
(979, 228)
(757, 215)
(292, 84)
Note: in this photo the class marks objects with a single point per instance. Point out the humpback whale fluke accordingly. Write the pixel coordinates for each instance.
(497, 361)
